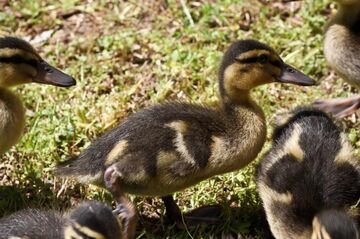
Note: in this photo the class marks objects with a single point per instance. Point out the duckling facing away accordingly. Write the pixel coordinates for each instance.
(309, 179)
(342, 52)
(88, 220)
(19, 64)
(171, 146)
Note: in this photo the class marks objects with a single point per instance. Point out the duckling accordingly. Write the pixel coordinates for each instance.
(310, 179)
(88, 220)
(171, 146)
(342, 52)
(19, 64)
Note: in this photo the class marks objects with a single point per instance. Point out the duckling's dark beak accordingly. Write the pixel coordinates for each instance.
(47, 74)
(291, 75)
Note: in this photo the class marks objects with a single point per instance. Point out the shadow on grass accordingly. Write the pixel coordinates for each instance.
(235, 223)
(35, 193)
(248, 221)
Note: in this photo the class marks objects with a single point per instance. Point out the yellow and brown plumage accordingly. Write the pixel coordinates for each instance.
(20, 64)
(88, 220)
(342, 53)
(310, 179)
(171, 146)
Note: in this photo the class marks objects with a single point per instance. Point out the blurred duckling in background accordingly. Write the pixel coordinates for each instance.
(310, 179)
(88, 220)
(20, 64)
(171, 146)
(342, 52)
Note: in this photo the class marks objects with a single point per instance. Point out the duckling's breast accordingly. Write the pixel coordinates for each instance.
(242, 143)
(12, 119)
(342, 52)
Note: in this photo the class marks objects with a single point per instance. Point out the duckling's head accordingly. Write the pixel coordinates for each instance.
(93, 220)
(20, 63)
(248, 63)
(334, 224)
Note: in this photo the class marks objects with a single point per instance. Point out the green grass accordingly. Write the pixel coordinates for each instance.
(126, 56)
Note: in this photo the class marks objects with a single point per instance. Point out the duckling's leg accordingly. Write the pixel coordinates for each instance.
(199, 216)
(339, 107)
(125, 210)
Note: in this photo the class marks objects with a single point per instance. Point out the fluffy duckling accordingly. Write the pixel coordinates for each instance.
(310, 179)
(88, 220)
(342, 52)
(19, 64)
(171, 146)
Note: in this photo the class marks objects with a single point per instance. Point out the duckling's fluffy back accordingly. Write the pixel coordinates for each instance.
(32, 223)
(310, 167)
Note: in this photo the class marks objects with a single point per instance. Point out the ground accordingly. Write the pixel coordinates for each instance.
(127, 55)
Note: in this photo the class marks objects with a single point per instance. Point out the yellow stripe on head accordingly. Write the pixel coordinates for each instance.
(13, 52)
(255, 53)
(78, 232)
(70, 233)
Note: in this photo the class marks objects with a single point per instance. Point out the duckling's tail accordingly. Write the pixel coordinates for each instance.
(81, 170)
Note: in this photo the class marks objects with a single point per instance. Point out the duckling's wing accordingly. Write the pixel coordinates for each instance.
(194, 127)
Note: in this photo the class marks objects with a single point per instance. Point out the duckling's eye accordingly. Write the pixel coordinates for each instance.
(262, 59)
(47, 69)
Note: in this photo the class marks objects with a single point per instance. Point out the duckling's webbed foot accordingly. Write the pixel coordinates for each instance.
(339, 107)
(126, 213)
(125, 210)
(205, 215)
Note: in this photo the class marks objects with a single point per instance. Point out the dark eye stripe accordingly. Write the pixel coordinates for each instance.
(255, 59)
(276, 63)
(18, 60)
